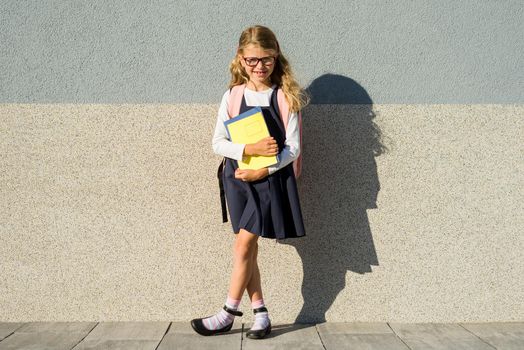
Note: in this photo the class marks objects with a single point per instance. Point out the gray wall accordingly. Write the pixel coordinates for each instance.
(400, 51)
(412, 183)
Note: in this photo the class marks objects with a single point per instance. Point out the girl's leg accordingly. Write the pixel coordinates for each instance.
(254, 287)
(244, 249)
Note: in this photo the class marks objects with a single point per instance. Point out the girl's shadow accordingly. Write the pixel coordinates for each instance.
(338, 184)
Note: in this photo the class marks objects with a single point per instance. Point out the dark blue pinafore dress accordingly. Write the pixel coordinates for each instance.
(269, 207)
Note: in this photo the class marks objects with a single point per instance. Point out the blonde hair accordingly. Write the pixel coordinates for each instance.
(282, 75)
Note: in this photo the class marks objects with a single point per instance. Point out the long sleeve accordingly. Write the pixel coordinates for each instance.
(221, 143)
(291, 149)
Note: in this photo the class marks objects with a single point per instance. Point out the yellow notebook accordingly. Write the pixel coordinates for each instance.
(250, 127)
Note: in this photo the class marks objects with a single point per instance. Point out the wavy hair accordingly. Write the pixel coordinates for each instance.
(282, 75)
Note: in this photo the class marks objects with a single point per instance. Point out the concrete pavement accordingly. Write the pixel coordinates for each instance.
(320, 336)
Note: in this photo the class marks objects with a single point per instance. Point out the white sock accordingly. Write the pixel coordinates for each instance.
(261, 318)
(223, 318)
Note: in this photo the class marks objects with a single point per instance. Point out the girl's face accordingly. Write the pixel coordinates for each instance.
(261, 72)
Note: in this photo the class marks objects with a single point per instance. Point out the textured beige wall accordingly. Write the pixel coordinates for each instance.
(112, 212)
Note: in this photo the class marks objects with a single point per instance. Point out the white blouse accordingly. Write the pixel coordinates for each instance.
(224, 147)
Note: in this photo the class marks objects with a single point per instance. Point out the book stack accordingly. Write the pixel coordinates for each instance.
(250, 127)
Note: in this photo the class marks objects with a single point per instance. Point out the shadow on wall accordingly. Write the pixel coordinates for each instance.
(338, 183)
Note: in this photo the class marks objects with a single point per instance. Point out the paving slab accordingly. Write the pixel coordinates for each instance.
(322, 336)
(181, 336)
(502, 335)
(124, 335)
(359, 335)
(47, 336)
(295, 336)
(438, 336)
(6, 328)
(56, 327)
(329, 328)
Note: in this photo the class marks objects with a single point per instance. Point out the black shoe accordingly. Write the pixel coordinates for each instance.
(259, 333)
(199, 327)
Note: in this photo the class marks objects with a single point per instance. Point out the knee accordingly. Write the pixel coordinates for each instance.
(244, 248)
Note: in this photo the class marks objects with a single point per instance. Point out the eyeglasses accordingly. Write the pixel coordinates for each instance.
(253, 61)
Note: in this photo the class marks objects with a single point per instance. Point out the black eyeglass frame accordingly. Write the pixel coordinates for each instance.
(260, 60)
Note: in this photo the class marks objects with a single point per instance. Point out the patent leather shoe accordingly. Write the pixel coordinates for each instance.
(259, 333)
(199, 327)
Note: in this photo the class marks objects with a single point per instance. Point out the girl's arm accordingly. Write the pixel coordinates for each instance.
(291, 149)
(221, 143)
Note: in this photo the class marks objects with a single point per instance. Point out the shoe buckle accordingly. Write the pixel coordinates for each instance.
(260, 309)
(233, 312)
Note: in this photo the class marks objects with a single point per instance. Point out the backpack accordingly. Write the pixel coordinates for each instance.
(234, 102)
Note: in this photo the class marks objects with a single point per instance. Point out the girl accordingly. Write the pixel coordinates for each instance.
(263, 202)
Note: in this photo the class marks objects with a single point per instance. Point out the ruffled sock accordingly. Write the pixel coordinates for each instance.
(222, 318)
(261, 318)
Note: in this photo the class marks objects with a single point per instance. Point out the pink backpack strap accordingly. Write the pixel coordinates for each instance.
(283, 106)
(297, 164)
(235, 100)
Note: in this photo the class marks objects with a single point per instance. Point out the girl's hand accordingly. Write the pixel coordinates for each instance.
(250, 174)
(265, 147)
